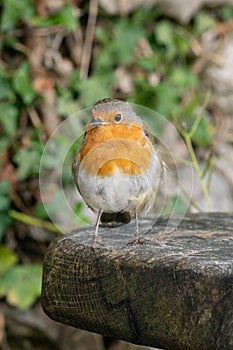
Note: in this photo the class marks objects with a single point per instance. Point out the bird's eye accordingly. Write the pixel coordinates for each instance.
(118, 117)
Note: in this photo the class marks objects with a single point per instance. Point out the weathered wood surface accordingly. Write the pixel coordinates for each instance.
(175, 292)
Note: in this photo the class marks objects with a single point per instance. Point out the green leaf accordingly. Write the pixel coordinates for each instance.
(127, 35)
(4, 195)
(15, 10)
(204, 132)
(190, 107)
(40, 211)
(203, 21)
(5, 201)
(105, 61)
(21, 285)
(5, 222)
(74, 80)
(3, 145)
(182, 46)
(28, 160)
(183, 78)
(56, 203)
(22, 83)
(78, 216)
(102, 35)
(67, 106)
(176, 205)
(226, 12)
(146, 63)
(78, 207)
(167, 99)
(94, 89)
(9, 118)
(7, 259)
(118, 44)
(165, 35)
(6, 92)
(66, 16)
(145, 15)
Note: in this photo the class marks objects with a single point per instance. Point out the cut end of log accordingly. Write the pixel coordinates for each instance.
(174, 292)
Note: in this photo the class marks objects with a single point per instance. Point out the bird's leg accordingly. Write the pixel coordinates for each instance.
(136, 233)
(96, 238)
(136, 239)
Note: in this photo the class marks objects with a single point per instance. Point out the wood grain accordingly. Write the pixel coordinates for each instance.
(175, 292)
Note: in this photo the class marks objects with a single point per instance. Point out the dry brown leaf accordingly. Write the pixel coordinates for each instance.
(7, 170)
(42, 83)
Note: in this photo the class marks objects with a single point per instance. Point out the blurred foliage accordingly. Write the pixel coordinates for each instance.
(5, 202)
(143, 58)
(175, 203)
(20, 284)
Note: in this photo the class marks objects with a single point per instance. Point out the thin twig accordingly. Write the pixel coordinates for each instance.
(188, 140)
(197, 169)
(33, 115)
(89, 36)
(30, 220)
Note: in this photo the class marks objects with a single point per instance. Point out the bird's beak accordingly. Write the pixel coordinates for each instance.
(96, 122)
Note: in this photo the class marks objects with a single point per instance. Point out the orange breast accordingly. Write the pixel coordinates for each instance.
(112, 146)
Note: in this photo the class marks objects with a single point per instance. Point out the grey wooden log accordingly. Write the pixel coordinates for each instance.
(175, 292)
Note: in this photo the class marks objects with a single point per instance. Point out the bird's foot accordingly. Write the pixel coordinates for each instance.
(137, 241)
(96, 243)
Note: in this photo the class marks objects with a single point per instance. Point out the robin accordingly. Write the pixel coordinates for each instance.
(117, 169)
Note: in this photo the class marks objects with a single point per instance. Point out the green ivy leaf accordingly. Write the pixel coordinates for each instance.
(66, 16)
(126, 37)
(21, 285)
(28, 161)
(15, 10)
(22, 83)
(165, 36)
(8, 117)
(6, 91)
(7, 259)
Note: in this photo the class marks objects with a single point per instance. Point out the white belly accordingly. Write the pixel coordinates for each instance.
(121, 192)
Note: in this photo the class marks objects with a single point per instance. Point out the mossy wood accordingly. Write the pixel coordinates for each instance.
(175, 292)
